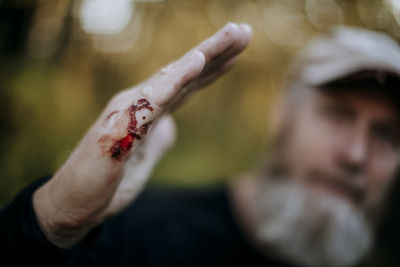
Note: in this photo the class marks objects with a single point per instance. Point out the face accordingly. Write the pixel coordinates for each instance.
(346, 144)
(336, 157)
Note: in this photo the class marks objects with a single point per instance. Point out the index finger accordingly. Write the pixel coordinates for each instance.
(231, 37)
(220, 47)
(142, 105)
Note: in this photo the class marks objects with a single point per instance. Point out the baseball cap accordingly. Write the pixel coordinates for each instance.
(345, 51)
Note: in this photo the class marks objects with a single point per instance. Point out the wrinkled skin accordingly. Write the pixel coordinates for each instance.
(112, 162)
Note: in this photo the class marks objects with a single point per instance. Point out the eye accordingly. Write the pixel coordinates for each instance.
(387, 135)
(337, 113)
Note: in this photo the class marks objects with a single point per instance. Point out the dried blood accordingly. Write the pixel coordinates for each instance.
(121, 146)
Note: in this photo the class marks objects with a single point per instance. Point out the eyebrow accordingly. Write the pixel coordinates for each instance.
(388, 124)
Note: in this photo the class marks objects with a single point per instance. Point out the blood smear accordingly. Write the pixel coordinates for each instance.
(121, 146)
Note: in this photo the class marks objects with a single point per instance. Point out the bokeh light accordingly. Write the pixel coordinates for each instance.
(76, 54)
(105, 17)
(63, 61)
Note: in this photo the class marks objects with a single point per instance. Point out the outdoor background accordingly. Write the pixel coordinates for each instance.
(61, 61)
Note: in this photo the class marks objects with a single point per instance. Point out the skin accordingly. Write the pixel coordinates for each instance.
(350, 135)
(346, 135)
(114, 159)
(351, 138)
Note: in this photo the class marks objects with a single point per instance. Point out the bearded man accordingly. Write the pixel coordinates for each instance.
(316, 201)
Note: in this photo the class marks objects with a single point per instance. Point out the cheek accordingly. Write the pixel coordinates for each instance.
(313, 144)
(380, 172)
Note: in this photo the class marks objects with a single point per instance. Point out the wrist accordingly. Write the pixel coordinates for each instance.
(60, 231)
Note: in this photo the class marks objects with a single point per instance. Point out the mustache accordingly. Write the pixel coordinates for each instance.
(349, 184)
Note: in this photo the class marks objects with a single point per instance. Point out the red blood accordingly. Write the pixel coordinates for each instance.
(121, 146)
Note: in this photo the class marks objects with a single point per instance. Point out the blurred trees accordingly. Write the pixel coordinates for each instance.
(60, 62)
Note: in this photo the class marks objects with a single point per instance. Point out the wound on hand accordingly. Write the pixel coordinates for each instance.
(121, 146)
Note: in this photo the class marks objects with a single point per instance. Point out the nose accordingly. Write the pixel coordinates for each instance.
(354, 151)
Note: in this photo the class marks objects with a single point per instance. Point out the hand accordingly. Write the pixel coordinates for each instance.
(114, 159)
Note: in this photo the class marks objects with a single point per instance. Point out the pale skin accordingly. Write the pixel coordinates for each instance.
(354, 137)
(113, 161)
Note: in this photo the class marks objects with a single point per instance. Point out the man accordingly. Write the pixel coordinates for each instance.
(316, 201)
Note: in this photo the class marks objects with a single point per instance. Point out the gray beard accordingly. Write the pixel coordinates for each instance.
(310, 228)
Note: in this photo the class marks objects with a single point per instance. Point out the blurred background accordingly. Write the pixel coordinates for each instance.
(62, 60)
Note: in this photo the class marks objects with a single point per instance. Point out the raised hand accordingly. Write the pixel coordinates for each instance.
(114, 159)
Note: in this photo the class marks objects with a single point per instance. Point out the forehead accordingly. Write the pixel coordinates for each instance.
(358, 97)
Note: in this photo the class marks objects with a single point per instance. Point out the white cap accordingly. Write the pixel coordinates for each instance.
(345, 51)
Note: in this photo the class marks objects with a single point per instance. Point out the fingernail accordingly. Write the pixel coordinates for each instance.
(247, 27)
(191, 55)
(229, 24)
